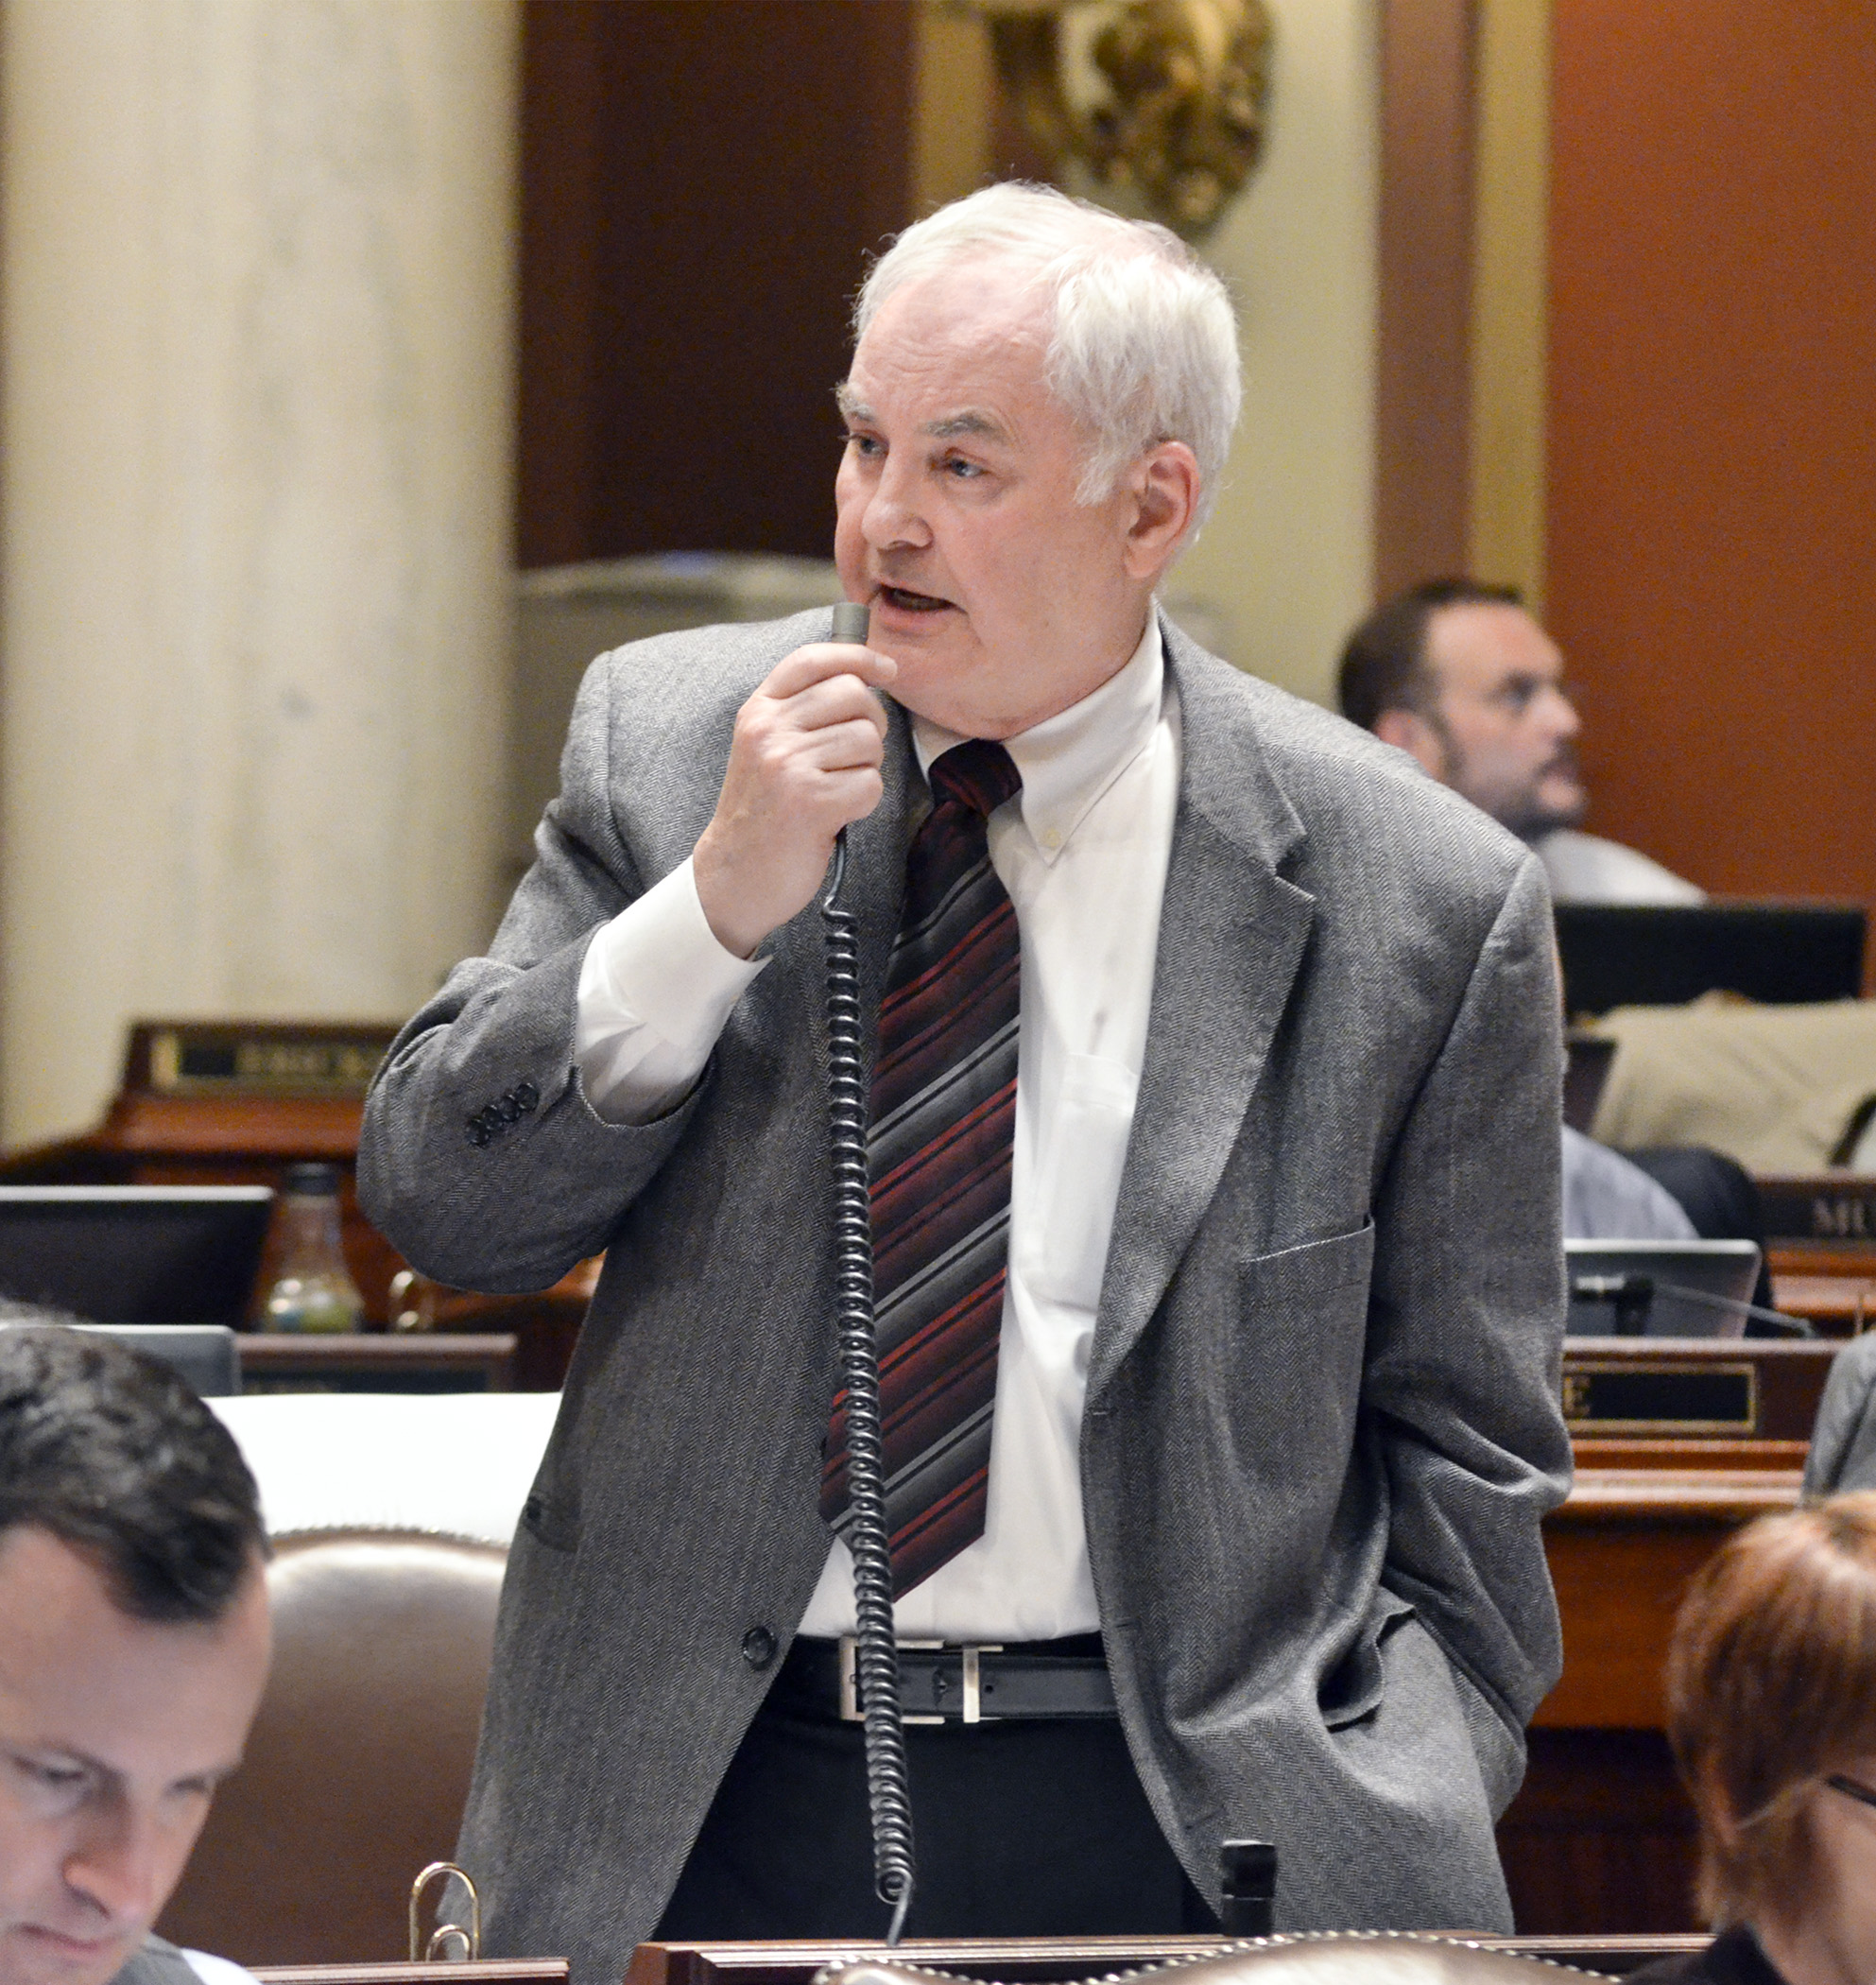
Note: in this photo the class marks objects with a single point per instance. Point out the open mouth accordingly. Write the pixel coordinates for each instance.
(62, 1944)
(906, 601)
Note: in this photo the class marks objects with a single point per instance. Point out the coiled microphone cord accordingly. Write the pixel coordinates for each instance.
(888, 1789)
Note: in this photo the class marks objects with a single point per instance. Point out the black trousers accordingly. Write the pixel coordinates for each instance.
(1020, 1829)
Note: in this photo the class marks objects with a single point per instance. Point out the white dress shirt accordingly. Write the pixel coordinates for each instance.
(1082, 851)
(212, 1970)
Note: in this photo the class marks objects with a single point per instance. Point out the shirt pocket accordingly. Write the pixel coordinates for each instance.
(1079, 1183)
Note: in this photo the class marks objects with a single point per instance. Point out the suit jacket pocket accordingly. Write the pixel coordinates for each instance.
(1315, 1269)
(1353, 1688)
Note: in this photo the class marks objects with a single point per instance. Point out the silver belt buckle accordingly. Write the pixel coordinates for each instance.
(969, 1653)
(973, 1692)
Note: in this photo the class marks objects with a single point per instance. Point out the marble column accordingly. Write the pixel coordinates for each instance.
(256, 571)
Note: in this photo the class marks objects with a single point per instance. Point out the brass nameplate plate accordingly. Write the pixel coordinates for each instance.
(1632, 1400)
(210, 1059)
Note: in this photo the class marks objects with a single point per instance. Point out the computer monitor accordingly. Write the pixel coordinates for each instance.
(134, 1253)
(1587, 1061)
(1669, 1288)
(1663, 954)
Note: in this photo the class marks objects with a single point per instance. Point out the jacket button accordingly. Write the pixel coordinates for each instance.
(526, 1094)
(759, 1648)
(510, 1108)
(478, 1132)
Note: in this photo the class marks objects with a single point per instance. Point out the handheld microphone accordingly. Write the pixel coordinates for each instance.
(851, 618)
(888, 1792)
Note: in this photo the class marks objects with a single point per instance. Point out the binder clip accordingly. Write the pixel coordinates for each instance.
(449, 1942)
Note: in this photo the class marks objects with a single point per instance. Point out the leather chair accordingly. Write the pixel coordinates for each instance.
(1352, 1958)
(358, 1765)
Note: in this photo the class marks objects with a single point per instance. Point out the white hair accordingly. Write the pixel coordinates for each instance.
(1142, 344)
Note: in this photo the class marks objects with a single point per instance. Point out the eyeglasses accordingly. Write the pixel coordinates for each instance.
(1852, 1787)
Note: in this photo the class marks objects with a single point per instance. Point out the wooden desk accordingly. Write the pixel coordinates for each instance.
(483, 1970)
(1602, 1835)
(1654, 1457)
(292, 1362)
(1833, 1305)
(1047, 1960)
(1621, 1550)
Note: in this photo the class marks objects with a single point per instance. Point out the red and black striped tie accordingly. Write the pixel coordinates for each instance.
(939, 1151)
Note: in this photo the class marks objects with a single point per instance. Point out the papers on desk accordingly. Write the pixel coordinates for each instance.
(456, 1461)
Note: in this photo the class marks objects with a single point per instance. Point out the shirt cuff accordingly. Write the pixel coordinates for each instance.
(655, 990)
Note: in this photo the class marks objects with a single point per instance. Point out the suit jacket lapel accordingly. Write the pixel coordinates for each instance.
(1231, 937)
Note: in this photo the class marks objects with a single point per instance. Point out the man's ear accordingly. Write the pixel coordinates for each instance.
(1410, 731)
(1163, 484)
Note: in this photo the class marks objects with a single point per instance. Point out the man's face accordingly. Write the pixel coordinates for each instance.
(1502, 731)
(113, 1735)
(1002, 599)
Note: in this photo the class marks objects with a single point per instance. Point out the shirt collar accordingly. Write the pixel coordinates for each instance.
(1068, 760)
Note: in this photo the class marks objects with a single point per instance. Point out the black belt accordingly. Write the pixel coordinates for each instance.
(955, 1685)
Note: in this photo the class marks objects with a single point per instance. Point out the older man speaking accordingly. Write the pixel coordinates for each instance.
(1213, 1115)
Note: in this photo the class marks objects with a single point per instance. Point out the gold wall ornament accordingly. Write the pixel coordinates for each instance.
(1160, 101)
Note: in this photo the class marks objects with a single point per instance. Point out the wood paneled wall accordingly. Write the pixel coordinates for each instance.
(694, 210)
(1711, 507)
(1423, 385)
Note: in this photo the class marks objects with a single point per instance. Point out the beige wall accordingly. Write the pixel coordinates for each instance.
(1510, 295)
(255, 602)
(1289, 553)
(256, 476)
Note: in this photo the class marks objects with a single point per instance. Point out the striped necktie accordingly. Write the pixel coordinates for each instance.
(940, 1151)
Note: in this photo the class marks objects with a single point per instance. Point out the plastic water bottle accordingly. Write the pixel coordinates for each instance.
(313, 1289)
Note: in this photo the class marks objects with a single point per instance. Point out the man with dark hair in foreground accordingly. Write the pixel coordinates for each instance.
(133, 1649)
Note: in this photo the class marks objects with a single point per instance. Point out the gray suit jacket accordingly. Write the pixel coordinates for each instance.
(155, 1962)
(1321, 1424)
(1843, 1442)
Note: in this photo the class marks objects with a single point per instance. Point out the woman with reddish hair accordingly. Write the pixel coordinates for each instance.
(1772, 1686)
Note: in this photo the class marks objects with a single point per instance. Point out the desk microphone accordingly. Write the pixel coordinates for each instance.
(1247, 1871)
(1632, 1295)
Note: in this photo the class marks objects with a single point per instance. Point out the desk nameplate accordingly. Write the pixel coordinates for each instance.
(1633, 1399)
(1833, 1206)
(254, 1058)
